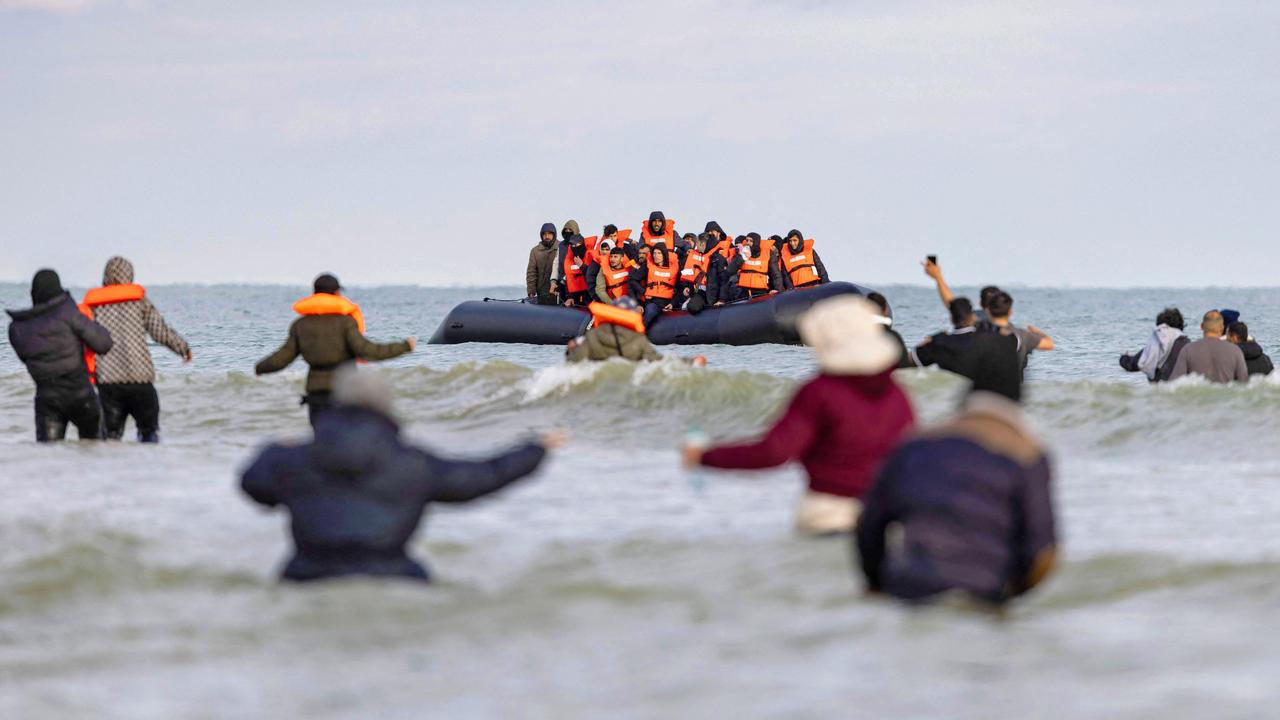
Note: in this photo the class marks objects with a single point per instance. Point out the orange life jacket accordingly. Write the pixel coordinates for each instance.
(754, 274)
(662, 279)
(668, 236)
(105, 295)
(800, 266)
(602, 314)
(695, 269)
(327, 304)
(616, 281)
(575, 272)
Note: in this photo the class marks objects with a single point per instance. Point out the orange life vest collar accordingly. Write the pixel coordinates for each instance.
(602, 314)
(668, 236)
(112, 294)
(327, 304)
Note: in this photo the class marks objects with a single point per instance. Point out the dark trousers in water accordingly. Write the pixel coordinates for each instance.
(120, 401)
(317, 403)
(653, 309)
(54, 411)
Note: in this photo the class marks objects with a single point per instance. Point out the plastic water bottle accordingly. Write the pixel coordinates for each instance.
(695, 437)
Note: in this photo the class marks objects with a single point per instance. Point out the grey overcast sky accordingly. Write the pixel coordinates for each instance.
(1063, 144)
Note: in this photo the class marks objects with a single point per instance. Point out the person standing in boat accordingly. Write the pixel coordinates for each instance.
(659, 231)
(539, 277)
(801, 266)
(840, 425)
(662, 274)
(574, 273)
(329, 335)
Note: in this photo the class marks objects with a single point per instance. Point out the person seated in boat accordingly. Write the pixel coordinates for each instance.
(701, 276)
(619, 279)
(756, 268)
(573, 271)
(617, 332)
(357, 494)
(801, 266)
(661, 275)
(658, 231)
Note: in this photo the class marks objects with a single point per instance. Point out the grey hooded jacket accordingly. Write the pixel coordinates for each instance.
(130, 323)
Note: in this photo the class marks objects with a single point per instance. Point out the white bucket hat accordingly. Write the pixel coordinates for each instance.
(849, 339)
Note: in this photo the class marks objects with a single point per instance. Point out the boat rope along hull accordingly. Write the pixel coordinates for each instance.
(770, 319)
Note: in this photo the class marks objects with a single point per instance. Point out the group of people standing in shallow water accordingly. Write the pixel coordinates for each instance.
(965, 506)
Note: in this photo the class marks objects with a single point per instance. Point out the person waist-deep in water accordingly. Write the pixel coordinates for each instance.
(329, 334)
(1158, 358)
(357, 493)
(966, 506)
(126, 376)
(617, 332)
(50, 338)
(1256, 361)
(840, 425)
(1212, 357)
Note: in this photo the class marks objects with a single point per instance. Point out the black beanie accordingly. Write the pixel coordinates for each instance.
(45, 286)
(326, 283)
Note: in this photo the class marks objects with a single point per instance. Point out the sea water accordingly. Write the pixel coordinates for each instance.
(137, 582)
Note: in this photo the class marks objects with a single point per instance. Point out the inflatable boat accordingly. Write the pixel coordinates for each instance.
(768, 319)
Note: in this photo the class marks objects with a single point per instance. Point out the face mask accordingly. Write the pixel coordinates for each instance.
(547, 243)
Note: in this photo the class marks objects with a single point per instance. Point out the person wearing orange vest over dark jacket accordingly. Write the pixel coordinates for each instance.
(801, 266)
(617, 331)
(126, 376)
(756, 268)
(573, 280)
(659, 231)
(329, 334)
(661, 275)
(50, 339)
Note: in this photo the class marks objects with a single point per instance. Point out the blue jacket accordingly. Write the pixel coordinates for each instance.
(973, 503)
(357, 494)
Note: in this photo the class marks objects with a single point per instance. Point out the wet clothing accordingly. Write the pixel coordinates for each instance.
(356, 495)
(840, 427)
(1158, 358)
(129, 324)
(1217, 360)
(325, 342)
(610, 341)
(50, 339)
(1255, 361)
(120, 401)
(971, 503)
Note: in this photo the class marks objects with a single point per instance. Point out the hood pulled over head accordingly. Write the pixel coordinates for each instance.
(45, 286)
(119, 271)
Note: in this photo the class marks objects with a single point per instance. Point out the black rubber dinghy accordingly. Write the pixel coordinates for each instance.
(770, 319)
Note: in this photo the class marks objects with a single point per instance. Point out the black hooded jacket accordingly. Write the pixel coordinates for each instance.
(50, 339)
(357, 493)
(1256, 360)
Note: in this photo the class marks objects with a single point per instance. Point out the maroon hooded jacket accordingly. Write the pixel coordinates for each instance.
(840, 427)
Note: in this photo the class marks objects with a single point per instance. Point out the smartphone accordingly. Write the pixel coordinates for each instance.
(933, 259)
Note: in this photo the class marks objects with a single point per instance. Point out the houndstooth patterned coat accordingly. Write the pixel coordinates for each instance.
(130, 323)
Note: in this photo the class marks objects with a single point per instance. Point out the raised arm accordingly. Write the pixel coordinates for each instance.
(944, 290)
(458, 481)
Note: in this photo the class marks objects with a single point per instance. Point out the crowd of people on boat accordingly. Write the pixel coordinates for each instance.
(664, 270)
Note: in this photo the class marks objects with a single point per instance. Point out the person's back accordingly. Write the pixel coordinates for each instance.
(1212, 357)
(973, 503)
(356, 494)
(1255, 360)
(50, 339)
(618, 332)
(970, 500)
(127, 374)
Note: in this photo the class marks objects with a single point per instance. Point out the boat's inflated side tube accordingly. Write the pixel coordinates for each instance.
(769, 319)
(511, 322)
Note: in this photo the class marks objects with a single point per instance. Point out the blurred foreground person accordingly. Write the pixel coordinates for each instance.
(1161, 353)
(329, 334)
(51, 339)
(126, 377)
(356, 495)
(1212, 357)
(966, 506)
(840, 425)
